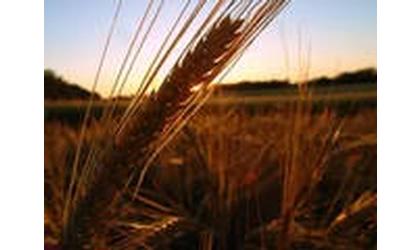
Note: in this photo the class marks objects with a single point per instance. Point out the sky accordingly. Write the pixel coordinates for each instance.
(310, 38)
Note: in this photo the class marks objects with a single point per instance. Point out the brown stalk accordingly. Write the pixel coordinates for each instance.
(88, 220)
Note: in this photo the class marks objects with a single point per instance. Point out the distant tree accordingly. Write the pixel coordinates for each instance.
(254, 86)
(363, 76)
(360, 76)
(49, 73)
(56, 88)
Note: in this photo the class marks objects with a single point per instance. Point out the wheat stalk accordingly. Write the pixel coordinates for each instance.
(146, 126)
(151, 122)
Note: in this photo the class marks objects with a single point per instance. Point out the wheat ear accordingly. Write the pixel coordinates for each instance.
(89, 218)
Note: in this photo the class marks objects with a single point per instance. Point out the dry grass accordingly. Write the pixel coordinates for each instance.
(105, 170)
(229, 180)
(136, 137)
(221, 184)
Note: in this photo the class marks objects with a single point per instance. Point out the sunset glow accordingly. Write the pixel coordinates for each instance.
(320, 37)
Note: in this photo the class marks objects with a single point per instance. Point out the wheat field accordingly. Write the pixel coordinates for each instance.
(231, 180)
(165, 171)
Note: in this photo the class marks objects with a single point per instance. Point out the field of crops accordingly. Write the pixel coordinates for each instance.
(344, 99)
(244, 167)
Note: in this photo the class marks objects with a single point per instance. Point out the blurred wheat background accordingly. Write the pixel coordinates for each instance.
(166, 170)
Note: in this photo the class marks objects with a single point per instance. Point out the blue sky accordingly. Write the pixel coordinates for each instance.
(327, 36)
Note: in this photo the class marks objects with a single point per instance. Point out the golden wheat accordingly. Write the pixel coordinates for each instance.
(93, 209)
(98, 186)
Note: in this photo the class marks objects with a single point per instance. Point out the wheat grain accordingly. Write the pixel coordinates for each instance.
(143, 130)
(154, 120)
